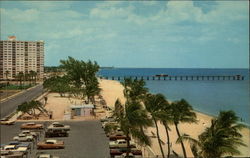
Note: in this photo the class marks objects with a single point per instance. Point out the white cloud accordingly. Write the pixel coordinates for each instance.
(149, 2)
(111, 12)
(47, 5)
(108, 4)
(17, 15)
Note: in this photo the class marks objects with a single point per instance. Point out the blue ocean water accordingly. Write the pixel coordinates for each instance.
(206, 96)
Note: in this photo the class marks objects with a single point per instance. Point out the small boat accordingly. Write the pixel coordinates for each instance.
(161, 75)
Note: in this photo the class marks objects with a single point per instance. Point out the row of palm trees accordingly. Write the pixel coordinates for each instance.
(30, 76)
(142, 110)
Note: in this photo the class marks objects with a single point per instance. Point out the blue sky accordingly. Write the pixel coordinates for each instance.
(167, 34)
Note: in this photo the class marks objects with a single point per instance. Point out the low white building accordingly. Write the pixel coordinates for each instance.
(82, 110)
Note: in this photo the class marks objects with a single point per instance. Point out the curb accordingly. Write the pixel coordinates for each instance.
(12, 96)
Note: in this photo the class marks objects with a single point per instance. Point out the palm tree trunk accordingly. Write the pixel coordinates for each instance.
(158, 137)
(128, 145)
(182, 145)
(168, 140)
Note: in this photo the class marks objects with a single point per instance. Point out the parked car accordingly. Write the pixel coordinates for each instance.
(57, 125)
(31, 125)
(118, 131)
(28, 132)
(50, 144)
(6, 121)
(15, 148)
(118, 136)
(56, 133)
(120, 151)
(11, 154)
(111, 123)
(24, 138)
(45, 155)
(20, 144)
(130, 156)
(120, 143)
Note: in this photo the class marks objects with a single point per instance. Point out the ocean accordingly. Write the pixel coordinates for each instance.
(206, 96)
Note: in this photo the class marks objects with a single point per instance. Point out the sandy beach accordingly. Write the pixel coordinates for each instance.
(111, 90)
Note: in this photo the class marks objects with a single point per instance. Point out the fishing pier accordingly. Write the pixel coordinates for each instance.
(177, 78)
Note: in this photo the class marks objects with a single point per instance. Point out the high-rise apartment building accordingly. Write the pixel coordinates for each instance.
(21, 56)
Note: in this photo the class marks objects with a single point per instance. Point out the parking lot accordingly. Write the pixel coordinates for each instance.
(86, 140)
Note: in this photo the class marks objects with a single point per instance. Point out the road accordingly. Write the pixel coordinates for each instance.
(86, 140)
(10, 105)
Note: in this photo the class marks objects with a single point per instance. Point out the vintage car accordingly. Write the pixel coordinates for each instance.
(23, 138)
(31, 125)
(118, 136)
(129, 156)
(56, 133)
(15, 148)
(120, 143)
(50, 144)
(20, 144)
(57, 125)
(28, 132)
(120, 151)
(6, 121)
(109, 123)
(45, 155)
(11, 154)
(118, 131)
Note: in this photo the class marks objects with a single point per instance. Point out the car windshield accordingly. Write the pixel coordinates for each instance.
(58, 125)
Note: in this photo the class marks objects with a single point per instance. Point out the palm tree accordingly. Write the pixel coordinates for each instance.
(154, 104)
(221, 139)
(182, 113)
(132, 119)
(27, 77)
(167, 119)
(20, 77)
(33, 75)
(134, 89)
(7, 76)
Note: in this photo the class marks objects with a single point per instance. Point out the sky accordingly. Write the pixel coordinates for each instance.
(149, 34)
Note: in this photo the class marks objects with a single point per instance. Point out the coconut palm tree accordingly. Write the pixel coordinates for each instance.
(20, 77)
(132, 118)
(166, 120)
(154, 104)
(134, 89)
(221, 139)
(33, 76)
(182, 113)
(7, 77)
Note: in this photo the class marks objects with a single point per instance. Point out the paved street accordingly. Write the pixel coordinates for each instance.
(86, 140)
(10, 105)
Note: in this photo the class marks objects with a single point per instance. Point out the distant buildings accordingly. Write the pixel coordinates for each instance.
(21, 56)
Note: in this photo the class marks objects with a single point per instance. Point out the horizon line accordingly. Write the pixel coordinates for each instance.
(163, 67)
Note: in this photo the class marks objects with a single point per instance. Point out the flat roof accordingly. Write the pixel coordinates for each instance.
(81, 106)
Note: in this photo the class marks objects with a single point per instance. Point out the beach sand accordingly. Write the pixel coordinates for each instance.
(112, 90)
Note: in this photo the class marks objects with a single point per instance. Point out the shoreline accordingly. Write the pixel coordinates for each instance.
(112, 89)
(214, 116)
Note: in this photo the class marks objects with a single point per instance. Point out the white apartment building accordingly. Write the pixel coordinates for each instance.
(21, 56)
